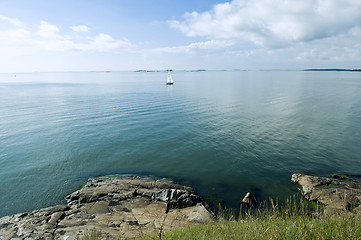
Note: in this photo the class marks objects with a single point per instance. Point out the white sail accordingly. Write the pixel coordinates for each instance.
(169, 78)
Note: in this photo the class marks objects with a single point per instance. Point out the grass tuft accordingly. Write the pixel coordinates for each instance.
(295, 219)
(273, 228)
(93, 235)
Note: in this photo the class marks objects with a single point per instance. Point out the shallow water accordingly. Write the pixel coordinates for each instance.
(223, 133)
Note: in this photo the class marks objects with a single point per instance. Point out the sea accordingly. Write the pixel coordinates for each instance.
(224, 133)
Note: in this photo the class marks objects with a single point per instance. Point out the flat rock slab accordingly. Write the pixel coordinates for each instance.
(335, 195)
(118, 207)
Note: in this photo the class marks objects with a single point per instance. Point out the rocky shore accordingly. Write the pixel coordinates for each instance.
(122, 207)
(336, 195)
(114, 207)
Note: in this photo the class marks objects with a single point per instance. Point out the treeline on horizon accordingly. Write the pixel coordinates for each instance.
(335, 69)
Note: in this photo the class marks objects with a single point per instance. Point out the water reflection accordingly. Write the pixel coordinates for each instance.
(223, 133)
(170, 89)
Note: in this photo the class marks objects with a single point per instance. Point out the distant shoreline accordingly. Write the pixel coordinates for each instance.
(333, 70)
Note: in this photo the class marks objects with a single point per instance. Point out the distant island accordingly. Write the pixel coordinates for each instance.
(197, 70)
(311, 70)
(335, 69)
(170, 70)
(141, 70)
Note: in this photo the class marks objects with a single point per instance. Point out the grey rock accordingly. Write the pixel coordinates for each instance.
(333, 195)
(119, 207)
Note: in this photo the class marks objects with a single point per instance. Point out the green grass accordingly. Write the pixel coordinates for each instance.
(272, 227)
(92, 235)
(296, 219)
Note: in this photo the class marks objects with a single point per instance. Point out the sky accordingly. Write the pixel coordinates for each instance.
(116, 35)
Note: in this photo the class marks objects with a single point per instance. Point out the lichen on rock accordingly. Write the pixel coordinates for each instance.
(335, 194)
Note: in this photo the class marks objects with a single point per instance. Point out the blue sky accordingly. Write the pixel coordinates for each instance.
(90, 35)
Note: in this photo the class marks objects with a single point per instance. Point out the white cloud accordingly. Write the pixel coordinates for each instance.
(80, 28)
(102, 42)
(105, 41)
(276, 23)
(15, 35)
(48, 37)
(308, 55)
(13, 21)
(211, 45)
(47, 30)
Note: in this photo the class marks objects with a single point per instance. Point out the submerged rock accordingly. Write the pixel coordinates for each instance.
(249, 199)
(334, 195)
(120, 207)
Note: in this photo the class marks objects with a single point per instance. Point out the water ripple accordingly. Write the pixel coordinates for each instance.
(214, 131)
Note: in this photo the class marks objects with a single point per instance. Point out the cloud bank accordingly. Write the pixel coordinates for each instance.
(13, 21)
(212, 45)
(273, 24)
(18, 37)
(247, 34)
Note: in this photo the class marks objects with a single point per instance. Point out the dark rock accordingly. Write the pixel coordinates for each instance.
(341, 176)
(162, 195)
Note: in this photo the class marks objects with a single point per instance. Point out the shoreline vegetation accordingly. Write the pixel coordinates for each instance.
(202, 70)
(242, 70)
(130, 206)
(270, 225)
(329, 208)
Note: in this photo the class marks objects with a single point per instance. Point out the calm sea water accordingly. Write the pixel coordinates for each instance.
(223, 133)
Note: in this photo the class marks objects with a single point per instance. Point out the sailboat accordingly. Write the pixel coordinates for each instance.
(169, 79)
